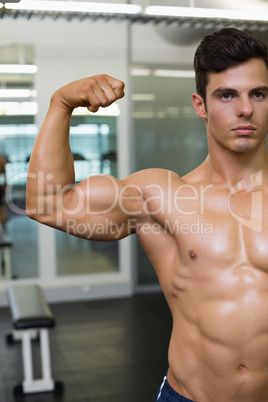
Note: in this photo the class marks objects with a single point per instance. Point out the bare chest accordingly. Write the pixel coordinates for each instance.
(222, 229)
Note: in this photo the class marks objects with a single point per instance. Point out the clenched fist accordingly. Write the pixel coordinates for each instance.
(92, 93)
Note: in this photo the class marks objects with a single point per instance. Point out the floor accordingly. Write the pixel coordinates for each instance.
(113, 350)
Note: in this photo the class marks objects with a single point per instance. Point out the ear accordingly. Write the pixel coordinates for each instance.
(199, 105)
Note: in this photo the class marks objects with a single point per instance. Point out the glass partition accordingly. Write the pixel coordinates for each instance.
(94, 147)
(18, 108)
(167, 132)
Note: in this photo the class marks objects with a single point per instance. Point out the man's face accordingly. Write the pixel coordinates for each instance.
(236, 110)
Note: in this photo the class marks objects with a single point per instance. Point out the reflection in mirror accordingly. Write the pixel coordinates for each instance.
(18, 107)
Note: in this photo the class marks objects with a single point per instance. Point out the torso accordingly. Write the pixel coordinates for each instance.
(211, 259)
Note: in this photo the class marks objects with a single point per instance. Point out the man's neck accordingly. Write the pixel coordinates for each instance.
(232, 167)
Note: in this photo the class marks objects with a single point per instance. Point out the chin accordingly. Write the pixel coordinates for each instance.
(244, 149)
(244, 145)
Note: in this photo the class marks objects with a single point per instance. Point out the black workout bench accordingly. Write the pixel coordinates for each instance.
(32, 318)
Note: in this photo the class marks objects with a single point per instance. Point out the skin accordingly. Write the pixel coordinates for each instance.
(205, 233)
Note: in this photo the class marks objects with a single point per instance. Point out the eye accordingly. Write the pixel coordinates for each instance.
(258, 95)
(225, 96)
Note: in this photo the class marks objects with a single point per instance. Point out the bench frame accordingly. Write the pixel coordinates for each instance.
(45, 383)
(26, 335)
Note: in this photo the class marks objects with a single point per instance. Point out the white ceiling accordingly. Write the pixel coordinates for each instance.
(262, 5)
(187, 35)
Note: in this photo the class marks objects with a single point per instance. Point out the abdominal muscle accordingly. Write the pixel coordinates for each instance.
(219, 345)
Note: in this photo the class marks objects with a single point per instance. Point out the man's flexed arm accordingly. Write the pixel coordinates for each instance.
(52, 196)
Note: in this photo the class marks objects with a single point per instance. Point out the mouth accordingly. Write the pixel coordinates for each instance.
(244, 130)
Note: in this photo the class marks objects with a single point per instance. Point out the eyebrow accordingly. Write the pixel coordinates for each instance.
(261, 88)
(221, 90)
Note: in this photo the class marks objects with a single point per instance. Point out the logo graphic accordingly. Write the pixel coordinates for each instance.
(255, 221)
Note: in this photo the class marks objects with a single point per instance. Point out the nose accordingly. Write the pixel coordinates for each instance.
(244, 107)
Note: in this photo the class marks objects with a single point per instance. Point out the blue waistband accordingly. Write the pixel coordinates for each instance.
(166, 393)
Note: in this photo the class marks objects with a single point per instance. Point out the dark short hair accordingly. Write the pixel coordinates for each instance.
(224, 49)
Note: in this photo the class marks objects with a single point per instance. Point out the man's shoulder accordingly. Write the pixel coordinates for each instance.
(153, 176)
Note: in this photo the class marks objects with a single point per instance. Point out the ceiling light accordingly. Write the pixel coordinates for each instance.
(17, 93)
(75, 6)
(162, 73)
(18, 69)
(143, 97)
(112, 110)
(210, 13)
(84, 10)
(18, 108)
(85, 129)
(139, 71)
(174, 73)
(23, 129)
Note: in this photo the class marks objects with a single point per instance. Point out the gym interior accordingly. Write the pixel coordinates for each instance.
(112, 325)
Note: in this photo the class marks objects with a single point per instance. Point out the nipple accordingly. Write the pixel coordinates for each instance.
(192, 255)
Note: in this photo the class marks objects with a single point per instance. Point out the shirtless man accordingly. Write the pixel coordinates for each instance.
(205, 233)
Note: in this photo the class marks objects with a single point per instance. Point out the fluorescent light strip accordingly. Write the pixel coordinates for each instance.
(194, 12)
(18, 108)
(17, 93)
(23, 129)
(18, 69)
(85, 129)
(90, 129)
(75, 6)
(143, 97)
(174, 73)
(112, 110)
(143, 72)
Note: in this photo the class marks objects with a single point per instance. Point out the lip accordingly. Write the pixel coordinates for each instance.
(244, 130)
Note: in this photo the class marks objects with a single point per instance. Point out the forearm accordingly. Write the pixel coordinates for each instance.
(51, 169)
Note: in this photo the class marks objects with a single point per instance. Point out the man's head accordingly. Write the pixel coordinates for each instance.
(224, 49)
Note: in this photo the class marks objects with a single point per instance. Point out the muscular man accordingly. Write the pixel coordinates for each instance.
(205, 233)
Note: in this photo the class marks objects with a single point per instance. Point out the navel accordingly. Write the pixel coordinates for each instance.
(192, 255)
